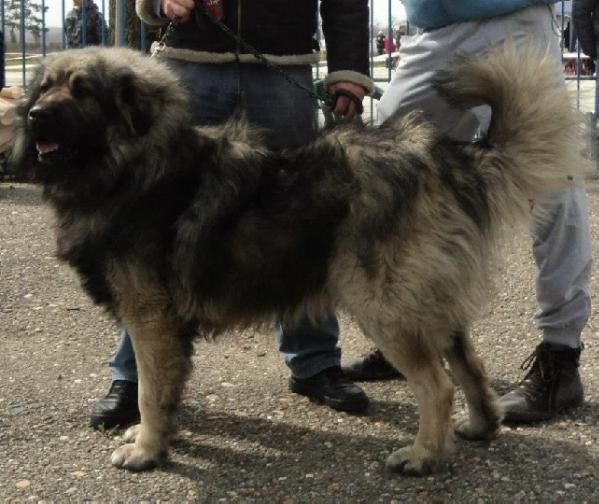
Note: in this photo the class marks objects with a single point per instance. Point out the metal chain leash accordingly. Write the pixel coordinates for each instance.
(160, 44)
(254, 52)
(242, 43)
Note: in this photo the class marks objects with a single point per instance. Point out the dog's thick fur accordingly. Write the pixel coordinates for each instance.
(180, 231)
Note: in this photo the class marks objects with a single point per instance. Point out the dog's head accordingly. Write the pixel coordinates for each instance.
(84, 105)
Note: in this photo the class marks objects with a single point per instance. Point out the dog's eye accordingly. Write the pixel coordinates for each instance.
(45, 86)
(79, 88)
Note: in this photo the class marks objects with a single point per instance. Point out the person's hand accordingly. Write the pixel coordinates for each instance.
(583, 20)
(344, 107)
(180, 9)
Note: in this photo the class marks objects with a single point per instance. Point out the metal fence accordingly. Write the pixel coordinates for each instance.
(34, 28)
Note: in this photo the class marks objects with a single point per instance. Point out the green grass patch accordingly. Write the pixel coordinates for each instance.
(33, 60)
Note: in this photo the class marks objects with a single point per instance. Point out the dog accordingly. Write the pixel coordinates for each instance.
(180, 231)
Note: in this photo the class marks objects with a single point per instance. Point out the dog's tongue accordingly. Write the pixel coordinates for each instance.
(44, 148)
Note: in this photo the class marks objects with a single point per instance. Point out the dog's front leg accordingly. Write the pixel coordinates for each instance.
(163, 363)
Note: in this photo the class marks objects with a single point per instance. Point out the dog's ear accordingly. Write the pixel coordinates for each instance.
(136, 104)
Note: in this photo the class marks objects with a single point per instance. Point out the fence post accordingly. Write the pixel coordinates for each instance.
(119, 23)
(3, 59)
(594, 129)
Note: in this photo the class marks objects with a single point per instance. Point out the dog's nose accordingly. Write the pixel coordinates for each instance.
(37, 113)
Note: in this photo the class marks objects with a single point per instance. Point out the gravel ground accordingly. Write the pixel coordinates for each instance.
(244, 437)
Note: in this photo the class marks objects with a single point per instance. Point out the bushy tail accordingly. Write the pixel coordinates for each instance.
(533, 143)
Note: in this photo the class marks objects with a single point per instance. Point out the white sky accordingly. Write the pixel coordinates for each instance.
(380, 8)
(54, 14)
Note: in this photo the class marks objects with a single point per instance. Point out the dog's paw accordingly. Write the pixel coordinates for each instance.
(131, 433)
(407, 461)
(135, 458)
(472, 431)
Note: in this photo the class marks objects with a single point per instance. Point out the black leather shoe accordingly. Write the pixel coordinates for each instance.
(551, 386)
(119, 407)
(332, 388)
(372, 366)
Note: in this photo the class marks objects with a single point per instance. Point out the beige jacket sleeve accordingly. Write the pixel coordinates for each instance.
(149, 12)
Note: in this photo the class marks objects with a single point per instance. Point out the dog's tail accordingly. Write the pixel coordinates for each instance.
(532, 143)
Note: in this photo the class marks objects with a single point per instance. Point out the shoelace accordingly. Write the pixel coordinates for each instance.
(540, 366)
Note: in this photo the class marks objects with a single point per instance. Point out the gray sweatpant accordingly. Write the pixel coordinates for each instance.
(561, 243)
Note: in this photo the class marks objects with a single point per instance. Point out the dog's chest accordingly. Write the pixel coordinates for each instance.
(75, 234)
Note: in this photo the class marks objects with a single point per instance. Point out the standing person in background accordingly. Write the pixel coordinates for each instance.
(561, 241)
(585, 16)
(380, 43)
(76, 34)
(225, 80)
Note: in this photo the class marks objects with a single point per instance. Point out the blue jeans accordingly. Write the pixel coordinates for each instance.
(219, 92)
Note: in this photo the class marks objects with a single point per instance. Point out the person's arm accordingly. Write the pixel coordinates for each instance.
(345, 26)
(158, 12)
(70, 25)
(583, 15)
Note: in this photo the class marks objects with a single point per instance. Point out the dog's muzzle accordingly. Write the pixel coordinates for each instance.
(40, 123)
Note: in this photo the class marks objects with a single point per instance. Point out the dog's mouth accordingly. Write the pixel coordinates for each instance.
(44, 148)
(48, 151)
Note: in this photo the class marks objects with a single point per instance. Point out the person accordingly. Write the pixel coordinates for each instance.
(75, 35)
(561, 242)
(380, 43)
(586, 25)
(389, 46)
(225, 80)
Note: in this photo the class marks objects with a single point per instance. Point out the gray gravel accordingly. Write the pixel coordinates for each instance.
(244, 437)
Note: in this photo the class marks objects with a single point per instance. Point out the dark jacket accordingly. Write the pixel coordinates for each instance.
(584, 16)
(283, 30)
(73, 25)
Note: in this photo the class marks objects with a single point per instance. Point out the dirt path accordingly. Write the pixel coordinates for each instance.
(244, 437)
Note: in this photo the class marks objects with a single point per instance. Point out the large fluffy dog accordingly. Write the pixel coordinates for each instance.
(181, 231)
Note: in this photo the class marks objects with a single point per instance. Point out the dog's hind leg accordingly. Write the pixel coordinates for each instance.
(163, 362)
(485, 414)
(422, 366)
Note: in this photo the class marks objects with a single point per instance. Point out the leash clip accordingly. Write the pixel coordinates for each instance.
(156, 48)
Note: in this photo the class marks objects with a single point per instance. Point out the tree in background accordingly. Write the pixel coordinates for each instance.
(32, 13)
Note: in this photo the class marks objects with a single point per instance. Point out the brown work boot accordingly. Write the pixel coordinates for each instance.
(552, 385)
(372, 366)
